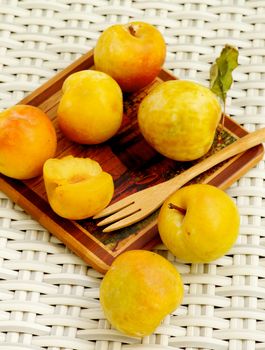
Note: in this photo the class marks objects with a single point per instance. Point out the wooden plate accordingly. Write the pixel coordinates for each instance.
(133, 164)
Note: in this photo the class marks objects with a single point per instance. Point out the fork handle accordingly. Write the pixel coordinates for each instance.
(242, 144)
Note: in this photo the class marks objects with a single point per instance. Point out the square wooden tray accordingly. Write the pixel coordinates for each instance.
(133, 164)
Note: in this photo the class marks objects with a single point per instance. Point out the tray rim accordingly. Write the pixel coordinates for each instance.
(14, 188)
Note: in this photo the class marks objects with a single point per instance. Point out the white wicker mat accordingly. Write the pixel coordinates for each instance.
(48, 296)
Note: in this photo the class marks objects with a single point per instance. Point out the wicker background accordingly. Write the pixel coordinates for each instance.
(48, 296)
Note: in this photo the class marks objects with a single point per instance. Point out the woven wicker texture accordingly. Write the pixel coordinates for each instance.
(48, 296)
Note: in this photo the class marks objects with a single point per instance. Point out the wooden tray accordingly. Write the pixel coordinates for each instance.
(133, 164)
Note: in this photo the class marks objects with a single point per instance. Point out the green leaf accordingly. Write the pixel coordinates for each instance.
(221, 77)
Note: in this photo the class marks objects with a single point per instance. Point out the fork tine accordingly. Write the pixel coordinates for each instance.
(113, 208)
(129, 220)
(119, 215)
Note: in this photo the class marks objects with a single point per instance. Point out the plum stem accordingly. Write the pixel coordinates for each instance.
(132, 30)
(173, 206)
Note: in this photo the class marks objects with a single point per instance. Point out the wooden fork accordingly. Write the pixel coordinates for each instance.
(141, 204)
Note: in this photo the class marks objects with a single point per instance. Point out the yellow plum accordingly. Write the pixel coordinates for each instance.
(199, 223)
(27, 140)
(139, 290)
(77, 188)
(179, 118)
(91, 108)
